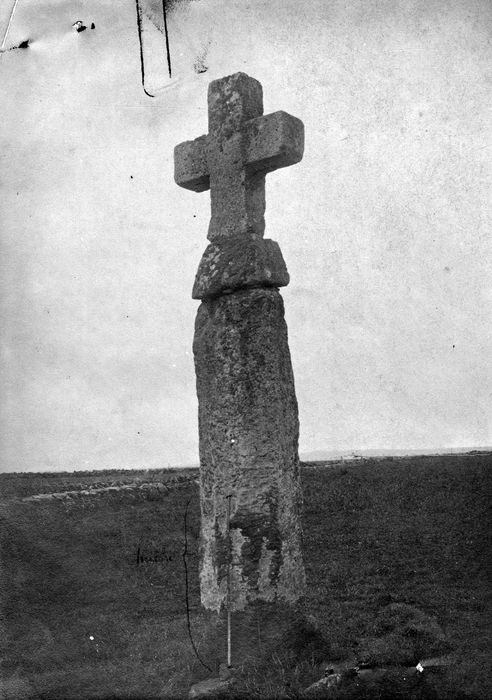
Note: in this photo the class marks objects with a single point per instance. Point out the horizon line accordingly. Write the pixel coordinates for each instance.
(322, 455)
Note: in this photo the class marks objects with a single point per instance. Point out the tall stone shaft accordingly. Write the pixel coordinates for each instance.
(250, 497)
(248, 452)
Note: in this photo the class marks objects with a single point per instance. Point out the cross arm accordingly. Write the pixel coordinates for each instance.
(190, 165)
(274, 141)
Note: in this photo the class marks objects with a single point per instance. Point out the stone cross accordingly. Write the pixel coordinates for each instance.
(241, 147)
(250, 497)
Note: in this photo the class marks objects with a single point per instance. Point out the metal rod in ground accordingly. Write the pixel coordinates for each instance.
(229, 582)
(228, 638)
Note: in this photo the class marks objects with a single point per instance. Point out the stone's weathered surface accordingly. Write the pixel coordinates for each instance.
(232, 160)
(248, 450)
(238, 263)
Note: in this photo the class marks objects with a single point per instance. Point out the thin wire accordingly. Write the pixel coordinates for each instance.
(139, 26)
(167, 37)
(229, 580)
(9, 23)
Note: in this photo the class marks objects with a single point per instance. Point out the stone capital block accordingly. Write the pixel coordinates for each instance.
(239, 263)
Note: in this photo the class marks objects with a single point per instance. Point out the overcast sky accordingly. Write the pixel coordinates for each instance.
(384, 225)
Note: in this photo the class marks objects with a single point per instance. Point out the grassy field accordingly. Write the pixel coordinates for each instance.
(93, 582)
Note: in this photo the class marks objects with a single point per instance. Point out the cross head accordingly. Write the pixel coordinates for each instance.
(241, 147)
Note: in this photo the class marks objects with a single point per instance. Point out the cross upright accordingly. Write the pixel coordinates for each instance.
(241, 147)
